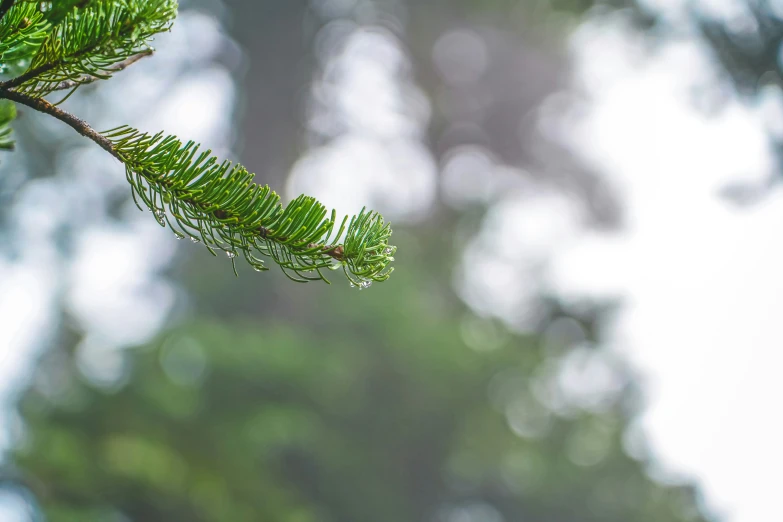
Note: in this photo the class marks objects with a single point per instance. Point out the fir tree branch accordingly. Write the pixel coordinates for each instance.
(226, 211)
(217, 203)
(5, 6)
(186, 188)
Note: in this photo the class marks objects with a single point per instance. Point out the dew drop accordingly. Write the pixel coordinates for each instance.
(388, 250)
(365, 285)
(195, 239)
(160, 217)
(178, 235)
(231, 255)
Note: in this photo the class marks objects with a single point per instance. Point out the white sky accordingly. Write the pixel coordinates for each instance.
(701, 278)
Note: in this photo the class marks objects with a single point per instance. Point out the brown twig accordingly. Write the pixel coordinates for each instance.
(79, 125)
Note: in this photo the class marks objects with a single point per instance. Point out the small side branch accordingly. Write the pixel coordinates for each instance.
(29, 75)
(70, 84)
(79, 125)
(5, 6)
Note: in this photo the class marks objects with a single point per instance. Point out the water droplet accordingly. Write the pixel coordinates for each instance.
(178, 235)
(231, 255)
(195, 239)
(391, 259)
(257, 269)
(388, 250)
(160, 217)
(365, 285)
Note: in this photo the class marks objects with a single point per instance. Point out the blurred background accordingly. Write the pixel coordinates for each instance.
(582, 325)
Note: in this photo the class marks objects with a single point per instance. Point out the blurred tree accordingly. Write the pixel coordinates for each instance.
(744, 40)
(747, 46)
(269, 403)
(384, 415)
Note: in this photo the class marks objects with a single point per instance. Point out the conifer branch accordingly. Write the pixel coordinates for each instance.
(219, 205)
(75, 42)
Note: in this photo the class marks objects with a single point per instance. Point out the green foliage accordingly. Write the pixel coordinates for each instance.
(218, 203)
(88, 42)
(7, 115)
(22, 31)
(56, 46)
(56, 11)
(381, 413)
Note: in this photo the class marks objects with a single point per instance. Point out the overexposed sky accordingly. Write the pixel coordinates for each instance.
(700, 277)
